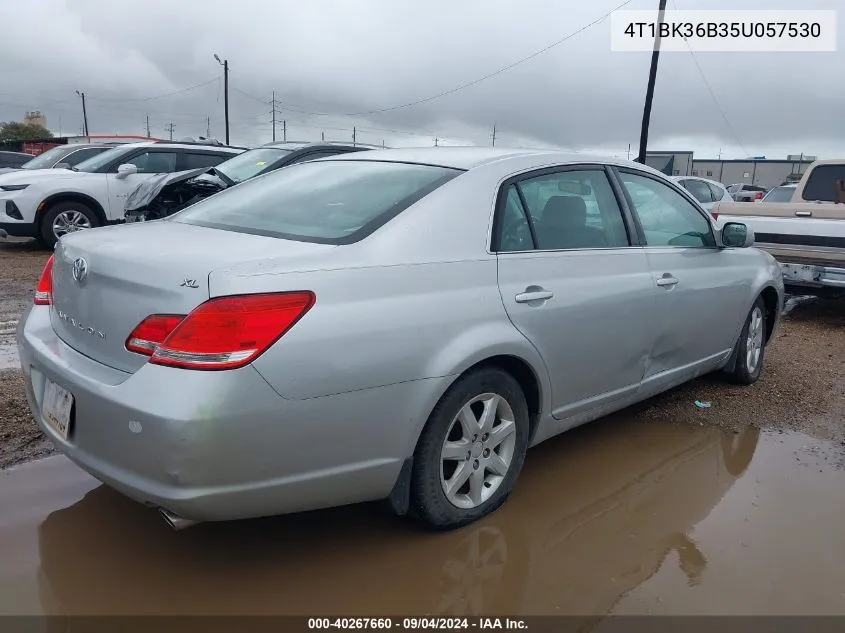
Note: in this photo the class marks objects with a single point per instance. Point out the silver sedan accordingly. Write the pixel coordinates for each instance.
(397, 324)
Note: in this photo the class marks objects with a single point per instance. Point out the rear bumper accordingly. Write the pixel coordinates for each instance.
(813, 276)
(219, 445)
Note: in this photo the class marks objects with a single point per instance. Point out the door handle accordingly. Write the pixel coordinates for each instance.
(804, 214)
(667, 282)
(537, 295)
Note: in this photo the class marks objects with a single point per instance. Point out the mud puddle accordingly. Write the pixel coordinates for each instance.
(616, 518)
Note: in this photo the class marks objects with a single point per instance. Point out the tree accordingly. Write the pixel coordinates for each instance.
(14, 131)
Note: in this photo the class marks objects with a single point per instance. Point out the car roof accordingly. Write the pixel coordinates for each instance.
(178, 145)
(712, 182)
(467, 158)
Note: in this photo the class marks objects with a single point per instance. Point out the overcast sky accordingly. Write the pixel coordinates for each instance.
(354, 56)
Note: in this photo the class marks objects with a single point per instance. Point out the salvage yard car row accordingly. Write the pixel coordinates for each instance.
(387, 324)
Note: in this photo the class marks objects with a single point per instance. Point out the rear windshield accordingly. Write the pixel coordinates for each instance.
(329, 202)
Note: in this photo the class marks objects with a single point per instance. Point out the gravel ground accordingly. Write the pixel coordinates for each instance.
(802, 387)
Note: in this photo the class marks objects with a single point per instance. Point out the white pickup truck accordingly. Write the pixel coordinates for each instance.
(806, 233)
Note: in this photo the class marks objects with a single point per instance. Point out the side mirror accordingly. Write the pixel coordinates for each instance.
(61, 166)
(737, 235)
(125, 170)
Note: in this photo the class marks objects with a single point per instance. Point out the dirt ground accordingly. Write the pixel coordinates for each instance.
(802, 388)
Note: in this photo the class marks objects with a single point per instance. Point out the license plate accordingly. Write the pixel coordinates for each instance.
(58, 403)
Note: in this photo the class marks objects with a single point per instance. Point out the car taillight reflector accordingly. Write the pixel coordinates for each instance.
(758, 195)
(230, 332)
(44, 291)
(152, 332)
(715, 214)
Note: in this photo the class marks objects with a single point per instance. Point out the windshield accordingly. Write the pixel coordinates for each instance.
(780, 194)
(328, 202)
(251, 163)
(104, 158)
(49, 158)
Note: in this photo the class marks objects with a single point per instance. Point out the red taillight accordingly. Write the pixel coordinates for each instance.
(228, 332)
(44, 291)
(715, 214)
(152, 332)
(758, 195)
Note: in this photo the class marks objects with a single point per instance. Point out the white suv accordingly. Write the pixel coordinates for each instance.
(47, 203)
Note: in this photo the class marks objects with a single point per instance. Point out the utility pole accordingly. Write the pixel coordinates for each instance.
(652, 75)
(494, 135)
(382, 143)
(285, 131)
(148, 126)
(225, 64)
(323, 136)
(169, 127)
(274, 115)
(354, 135)
(208, 126)
(629, 151)
(435, 141)
(84, 113)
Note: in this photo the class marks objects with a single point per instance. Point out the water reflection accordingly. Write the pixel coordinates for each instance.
(595, 513)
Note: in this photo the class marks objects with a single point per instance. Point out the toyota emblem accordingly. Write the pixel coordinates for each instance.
(80, 269)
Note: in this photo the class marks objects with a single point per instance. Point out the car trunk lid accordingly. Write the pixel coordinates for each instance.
(106, 281)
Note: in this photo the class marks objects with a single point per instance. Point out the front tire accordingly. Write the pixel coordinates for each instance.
(470, 451)
(64, 218)
(751, 347)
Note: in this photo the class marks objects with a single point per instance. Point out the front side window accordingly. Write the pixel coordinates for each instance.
(574, 209)
(153, 162)
(667, 218)
(328, 202)
(780, 194)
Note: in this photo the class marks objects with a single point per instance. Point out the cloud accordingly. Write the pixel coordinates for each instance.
(345, 56)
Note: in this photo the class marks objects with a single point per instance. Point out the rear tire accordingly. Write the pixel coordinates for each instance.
(471, 450)
(751, 347)
(64, 218)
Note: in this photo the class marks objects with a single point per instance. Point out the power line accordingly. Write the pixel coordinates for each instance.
(161, 96)
(712, 94)
(469, 84)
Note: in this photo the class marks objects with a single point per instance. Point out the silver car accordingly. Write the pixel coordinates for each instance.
(397, 324)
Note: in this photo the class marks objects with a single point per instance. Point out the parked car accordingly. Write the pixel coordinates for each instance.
(64, 156)
(49, 203)
(746, 193)
(397, 324)
(164, 195)
(10, 161)
(707, 192)
(806, 232)
(784, 193)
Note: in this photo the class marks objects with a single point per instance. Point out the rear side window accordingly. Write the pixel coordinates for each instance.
(821, 184)
(329, 202)
(780, 194)
(573, 209)
(699, 190)
(83, 154)
(716, 190)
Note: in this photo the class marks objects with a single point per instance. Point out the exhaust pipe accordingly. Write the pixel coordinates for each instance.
(174, 521)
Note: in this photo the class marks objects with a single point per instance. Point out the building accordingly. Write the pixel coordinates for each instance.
(670, 163)
(35, 117)
(758, 171)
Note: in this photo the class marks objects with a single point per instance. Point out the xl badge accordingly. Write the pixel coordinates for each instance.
(190, 283)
